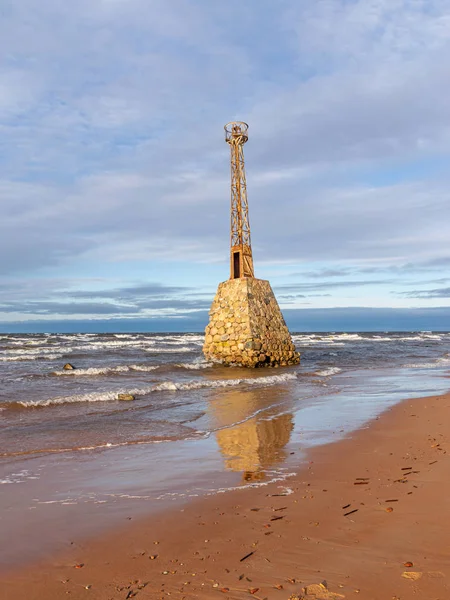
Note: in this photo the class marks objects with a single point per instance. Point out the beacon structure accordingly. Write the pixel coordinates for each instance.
(246, 326)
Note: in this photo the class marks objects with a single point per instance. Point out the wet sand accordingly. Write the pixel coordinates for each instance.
(367, 517)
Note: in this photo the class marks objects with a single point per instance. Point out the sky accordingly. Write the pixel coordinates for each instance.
(114, 172)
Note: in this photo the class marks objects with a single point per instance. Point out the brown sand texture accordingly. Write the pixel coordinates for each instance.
(368, 517)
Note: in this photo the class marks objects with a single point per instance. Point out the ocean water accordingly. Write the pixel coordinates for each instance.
(74, 459)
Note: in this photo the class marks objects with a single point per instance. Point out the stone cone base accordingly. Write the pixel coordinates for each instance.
(246, 326)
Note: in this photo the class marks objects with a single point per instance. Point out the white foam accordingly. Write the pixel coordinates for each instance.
(219, 383)
(104, 446)
(273, 476)
(92, 371)
(183, 339)
(102, 344)
(169, 350)
(36, 351)
(164, 386)
(30, 357)
(443, 361)
(25, 342)
(328, 372)
(196, 365)
(19, 477)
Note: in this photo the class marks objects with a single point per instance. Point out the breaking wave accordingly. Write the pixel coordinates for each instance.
(160, 350)
(328, 372)
(92, 371)
(196, 365)
(443, 361)
(169, 386)
(22, 357)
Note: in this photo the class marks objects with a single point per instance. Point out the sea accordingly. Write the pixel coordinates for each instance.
(75, 460)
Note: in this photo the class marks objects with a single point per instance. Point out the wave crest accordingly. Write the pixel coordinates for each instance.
(170, 386)
(328, 372)
(92, 371)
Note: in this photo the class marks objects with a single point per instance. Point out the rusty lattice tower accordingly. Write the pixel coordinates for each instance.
(241, 259)
(245, 326)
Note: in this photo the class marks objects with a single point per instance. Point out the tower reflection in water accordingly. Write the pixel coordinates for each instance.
(250, 444)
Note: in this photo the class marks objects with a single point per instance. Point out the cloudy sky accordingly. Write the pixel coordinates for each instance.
(114, 175)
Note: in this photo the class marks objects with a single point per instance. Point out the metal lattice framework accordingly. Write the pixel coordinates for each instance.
(241, 260)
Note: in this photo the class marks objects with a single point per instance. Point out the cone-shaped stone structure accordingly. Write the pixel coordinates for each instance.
(246, 326)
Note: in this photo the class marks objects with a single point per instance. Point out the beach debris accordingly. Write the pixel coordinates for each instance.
(393, 500)
(130, 594)
(361, 482)
(346, 506)
(126, 397)
(253, 590)
(432, 463)
(320, 591)
(68, 367)
(224, 590)
(408, 564)
(413, 575)
(278, 586)
(153, 556)
(277, 518)
(246, 556)
(350, 512)
(79, 566)
(389, 509)
(88, 586)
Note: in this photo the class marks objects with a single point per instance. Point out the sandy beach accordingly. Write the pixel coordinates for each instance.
(367, 517)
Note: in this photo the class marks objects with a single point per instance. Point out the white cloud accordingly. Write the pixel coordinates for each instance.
(112, 114)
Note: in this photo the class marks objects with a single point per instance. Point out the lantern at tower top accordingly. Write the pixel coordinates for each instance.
(236, 132)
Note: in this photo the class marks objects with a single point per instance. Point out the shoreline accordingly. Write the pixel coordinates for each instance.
(293, 540)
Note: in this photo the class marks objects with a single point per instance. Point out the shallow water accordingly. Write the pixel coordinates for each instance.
(75, 460)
